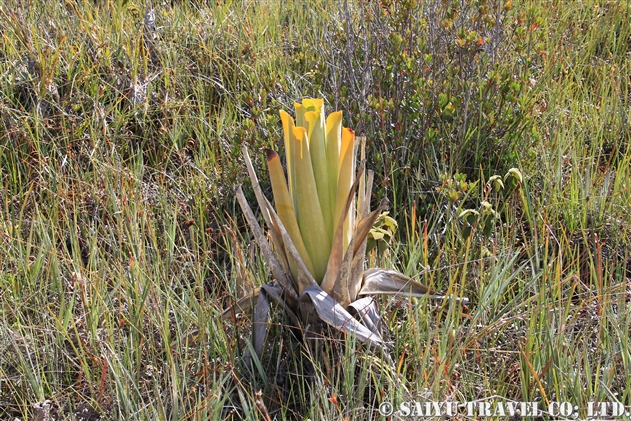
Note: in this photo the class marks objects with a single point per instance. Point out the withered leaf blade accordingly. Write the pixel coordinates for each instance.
(243, 305)
(275, 291)
(390, 282)
(337, 250)
(366, 310)
(260, 198)
(304, 277)
(330, 312)
(277, 270)
(340, 290)
(366, 221)
(348, 280)
(259, 322)
(337, 279)
(247, 303)
(365, 225)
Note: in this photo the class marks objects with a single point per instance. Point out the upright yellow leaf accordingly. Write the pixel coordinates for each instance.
(300, 114)
(285, 209)
(308, 104)
(317, 148)
(309, 215)
(337, 260)
(333, 144)
(288, 126)
(346, 175)
(313, 104)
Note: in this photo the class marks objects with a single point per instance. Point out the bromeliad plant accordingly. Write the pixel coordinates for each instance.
(319, 231)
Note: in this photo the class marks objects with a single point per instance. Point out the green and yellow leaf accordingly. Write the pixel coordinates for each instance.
(285, 210)
(317, 147)
(288, 126)
(309, 216)
(346, 175)
(333, 145)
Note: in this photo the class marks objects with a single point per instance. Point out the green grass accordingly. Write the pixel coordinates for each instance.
(121, 242)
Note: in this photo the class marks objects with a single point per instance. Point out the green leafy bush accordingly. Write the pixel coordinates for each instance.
(437, 85)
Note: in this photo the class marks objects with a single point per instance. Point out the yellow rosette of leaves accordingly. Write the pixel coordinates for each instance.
(319, 228)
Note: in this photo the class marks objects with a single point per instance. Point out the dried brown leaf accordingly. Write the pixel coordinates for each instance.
(277, 270)
(315, 300)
